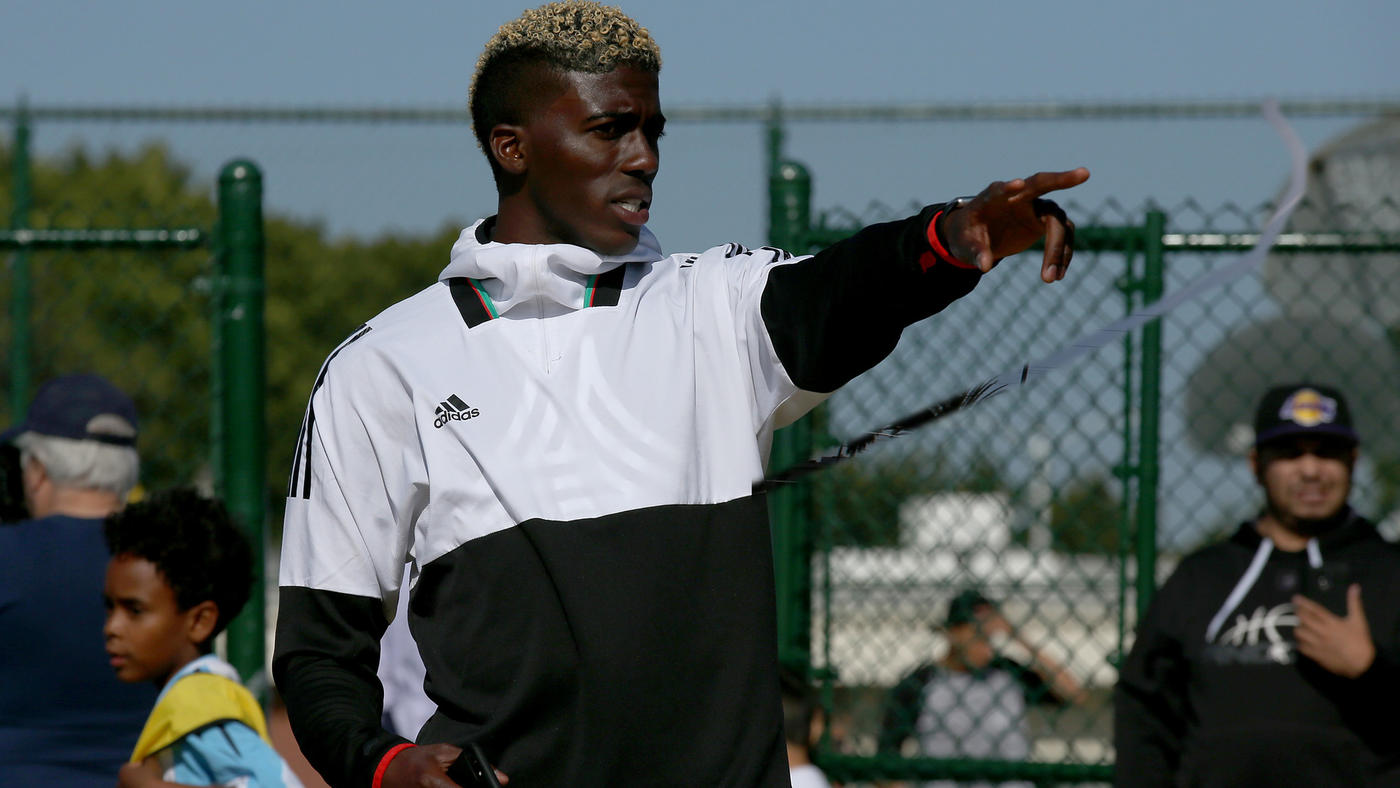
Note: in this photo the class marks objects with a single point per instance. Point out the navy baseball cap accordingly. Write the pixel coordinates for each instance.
(1303, 409)
(963, 609)
(65, 405)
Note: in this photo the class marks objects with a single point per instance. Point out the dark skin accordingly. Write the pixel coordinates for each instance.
(579, 170)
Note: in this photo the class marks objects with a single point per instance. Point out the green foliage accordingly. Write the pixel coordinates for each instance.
(142, 318)
(1085, 518)
(859, 501)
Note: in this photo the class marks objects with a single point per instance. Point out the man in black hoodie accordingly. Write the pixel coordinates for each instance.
(1273, 659)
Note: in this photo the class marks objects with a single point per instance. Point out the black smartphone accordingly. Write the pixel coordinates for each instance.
(472, 770)
(1327, 586)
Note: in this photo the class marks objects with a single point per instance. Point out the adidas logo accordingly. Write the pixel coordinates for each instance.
(454, 409)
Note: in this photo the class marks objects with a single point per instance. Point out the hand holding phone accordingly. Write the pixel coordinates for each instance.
(1327, 586)
(472, 769)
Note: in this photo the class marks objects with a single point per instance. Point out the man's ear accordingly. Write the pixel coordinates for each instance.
(200, 621)
(508, 147)
(34, 480)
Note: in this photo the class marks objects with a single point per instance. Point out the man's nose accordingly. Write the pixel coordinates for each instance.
(1309, 465)
(643, 157)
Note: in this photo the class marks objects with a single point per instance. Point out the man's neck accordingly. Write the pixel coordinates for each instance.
(797, 756)
(951, 662)
(1283, 537)
(78, 502)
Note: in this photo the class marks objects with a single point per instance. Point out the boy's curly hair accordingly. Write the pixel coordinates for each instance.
(572, 35)
(192, 540)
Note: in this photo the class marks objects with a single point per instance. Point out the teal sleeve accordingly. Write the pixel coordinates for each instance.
(229, 754)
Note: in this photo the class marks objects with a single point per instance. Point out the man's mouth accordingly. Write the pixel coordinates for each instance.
(634, 210)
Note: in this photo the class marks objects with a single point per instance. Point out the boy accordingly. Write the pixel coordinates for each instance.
(179, 572)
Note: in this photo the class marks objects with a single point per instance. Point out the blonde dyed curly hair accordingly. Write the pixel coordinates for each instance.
(571, 35)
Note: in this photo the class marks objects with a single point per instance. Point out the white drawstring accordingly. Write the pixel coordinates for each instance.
(1314, 554)
(1247, 581)
(1250, 577)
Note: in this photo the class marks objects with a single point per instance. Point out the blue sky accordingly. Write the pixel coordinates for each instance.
(378, 179)
(720, 51)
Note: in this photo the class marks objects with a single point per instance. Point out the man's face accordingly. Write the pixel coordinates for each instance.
(1305, 479)
(971, 642)
(590, 156)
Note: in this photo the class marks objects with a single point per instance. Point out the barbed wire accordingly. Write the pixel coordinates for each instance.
(1170, 109)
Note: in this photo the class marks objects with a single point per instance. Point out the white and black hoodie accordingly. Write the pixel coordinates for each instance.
(1215, 694)
(564, 446)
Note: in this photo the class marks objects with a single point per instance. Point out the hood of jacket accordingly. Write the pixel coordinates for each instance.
(535, 280)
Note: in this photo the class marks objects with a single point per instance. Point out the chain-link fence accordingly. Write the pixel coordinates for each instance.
(163, 299)
(1043, 502)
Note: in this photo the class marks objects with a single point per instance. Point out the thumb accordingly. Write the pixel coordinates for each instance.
(1354, 608)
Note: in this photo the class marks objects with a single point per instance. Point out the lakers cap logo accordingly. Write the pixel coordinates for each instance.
(1308, 408)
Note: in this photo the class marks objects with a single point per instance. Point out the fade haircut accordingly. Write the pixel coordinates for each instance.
(194, 544)
(572, 35)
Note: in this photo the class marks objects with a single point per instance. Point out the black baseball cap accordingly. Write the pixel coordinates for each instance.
(64, 406)
(1303, 409)
(963, 608)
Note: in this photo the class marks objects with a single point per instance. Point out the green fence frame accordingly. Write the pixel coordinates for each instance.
(238, 443)
(794, 512)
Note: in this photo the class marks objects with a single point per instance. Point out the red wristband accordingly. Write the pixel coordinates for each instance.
(940, 252)
(384, 762)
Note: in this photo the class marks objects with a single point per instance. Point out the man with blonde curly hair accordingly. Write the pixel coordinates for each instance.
(561, 438)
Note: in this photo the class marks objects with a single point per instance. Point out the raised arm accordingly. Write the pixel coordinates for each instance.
(841, 311)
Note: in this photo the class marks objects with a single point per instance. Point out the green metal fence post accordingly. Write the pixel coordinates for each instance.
(1149, 419)
(789, 218)
(243, 371)
(21, 372)
(1126, 470)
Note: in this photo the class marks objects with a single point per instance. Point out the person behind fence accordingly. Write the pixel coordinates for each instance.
(180, 571)
(1273, 658)
(563, 434)
(972, 701)
(63, 721)
(802, 727)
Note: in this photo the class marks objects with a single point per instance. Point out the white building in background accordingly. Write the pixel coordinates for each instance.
(886, 604)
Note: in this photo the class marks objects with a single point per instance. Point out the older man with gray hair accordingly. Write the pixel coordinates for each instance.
(64, 718)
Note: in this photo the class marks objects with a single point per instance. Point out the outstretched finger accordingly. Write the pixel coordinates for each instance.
(1046, 182)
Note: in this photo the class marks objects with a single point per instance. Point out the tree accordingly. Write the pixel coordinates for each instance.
(1085, 518)
(859, 501)
(142, 318)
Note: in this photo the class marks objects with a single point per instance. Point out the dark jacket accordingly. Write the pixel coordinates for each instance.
(1216, 694)
(66, 721)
